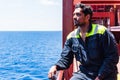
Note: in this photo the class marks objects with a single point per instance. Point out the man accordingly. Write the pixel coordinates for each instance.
(93, 46)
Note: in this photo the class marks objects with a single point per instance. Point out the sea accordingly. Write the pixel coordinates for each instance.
(28, 55)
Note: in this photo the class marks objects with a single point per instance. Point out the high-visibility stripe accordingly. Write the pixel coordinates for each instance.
(96, 29)
(94, 26)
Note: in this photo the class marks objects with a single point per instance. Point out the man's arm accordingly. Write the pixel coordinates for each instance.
(110, 53)
(66, 56)
(65, 60)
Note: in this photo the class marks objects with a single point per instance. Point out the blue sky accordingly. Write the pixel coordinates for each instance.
(25, 15)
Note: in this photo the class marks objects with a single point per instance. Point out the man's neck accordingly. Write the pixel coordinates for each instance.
(84, 28)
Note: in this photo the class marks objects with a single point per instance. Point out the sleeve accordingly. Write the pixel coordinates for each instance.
(110, 53)
(66, 56)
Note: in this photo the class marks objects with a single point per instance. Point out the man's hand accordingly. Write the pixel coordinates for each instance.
(97, 78)
(52, 72)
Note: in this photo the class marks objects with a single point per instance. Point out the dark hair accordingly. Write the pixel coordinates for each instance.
(85, 9)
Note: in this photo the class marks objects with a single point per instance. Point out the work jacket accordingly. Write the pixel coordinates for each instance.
(98, 54)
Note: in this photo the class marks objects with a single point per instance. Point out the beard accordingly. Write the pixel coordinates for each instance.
(78, 24)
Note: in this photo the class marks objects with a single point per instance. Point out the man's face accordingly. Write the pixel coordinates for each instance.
(79, 18)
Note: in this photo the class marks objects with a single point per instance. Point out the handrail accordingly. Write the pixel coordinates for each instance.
(60, 75)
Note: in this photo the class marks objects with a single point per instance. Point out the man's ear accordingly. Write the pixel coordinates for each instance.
(88, 17)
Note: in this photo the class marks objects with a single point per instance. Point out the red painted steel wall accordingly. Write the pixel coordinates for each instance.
(67, 28)
(67, 18)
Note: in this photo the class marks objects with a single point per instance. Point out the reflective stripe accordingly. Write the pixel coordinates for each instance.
(70, 35)
(96, 29)
(74, 34)
(77, 33)
(101, 29)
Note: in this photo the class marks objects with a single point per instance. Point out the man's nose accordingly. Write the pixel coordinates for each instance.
(74, 17)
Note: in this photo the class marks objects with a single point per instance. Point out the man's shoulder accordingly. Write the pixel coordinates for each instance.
(101, 29)
(72, 34)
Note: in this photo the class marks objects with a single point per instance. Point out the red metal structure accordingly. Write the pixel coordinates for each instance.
(106, 12)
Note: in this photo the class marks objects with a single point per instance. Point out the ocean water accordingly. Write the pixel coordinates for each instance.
(28, 55)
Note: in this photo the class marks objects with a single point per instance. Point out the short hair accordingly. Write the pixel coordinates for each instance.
(85, 9)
